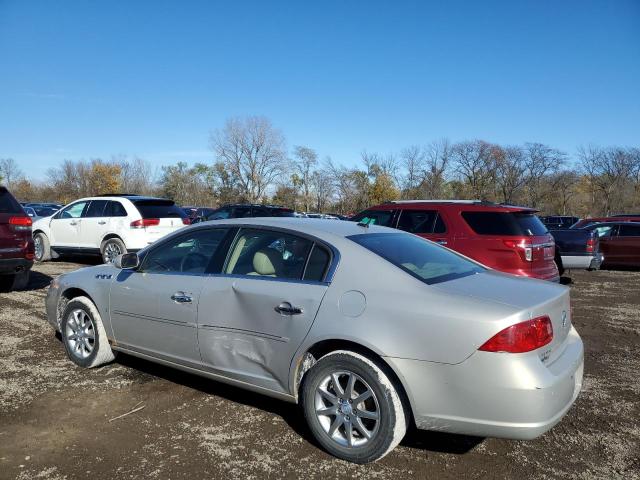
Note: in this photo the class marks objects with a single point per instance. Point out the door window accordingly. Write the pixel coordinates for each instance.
(189, 253)
(603, 231)
(417, 221)
(269, 254)
(73, 211)
(629, 231)
(221, 214)
(115, 209)
(375, 217)
(241, 212)
(318, 264)
(96, 208)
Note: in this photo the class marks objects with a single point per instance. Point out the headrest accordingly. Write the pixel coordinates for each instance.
(267, 261)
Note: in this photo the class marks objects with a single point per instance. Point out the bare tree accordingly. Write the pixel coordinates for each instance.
(254, 153)
(510, 171)
(136, 175)
(540, 161)
(437, 159)
(563, 186)
(474, 163)
(9, 171)
(323, 189)
(306, 160)
(412, 160)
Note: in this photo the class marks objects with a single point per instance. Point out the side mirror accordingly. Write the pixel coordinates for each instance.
(127, 261)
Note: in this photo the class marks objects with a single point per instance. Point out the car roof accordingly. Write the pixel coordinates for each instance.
(132, 198)
(321, 228)
(467, 205)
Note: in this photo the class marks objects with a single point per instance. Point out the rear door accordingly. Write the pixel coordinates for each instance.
(624, 248)
(65, 225)
(425, 223)
(94, 224)
(254, 316)
(154, 308)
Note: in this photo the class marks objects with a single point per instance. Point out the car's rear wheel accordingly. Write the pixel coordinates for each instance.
(42, 247)
(111, 249)
(83, 334)
(352, 407)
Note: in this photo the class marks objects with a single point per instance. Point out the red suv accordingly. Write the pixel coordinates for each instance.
(506, 238)
(16, 243)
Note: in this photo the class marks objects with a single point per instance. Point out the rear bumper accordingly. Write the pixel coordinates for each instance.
(494, 394)
(585, 262)
(10, 266)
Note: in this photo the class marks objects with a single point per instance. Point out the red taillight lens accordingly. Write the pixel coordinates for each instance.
(521, 337)
(145, 222)
(524, 247)
(186, 221)
(591, 244)
(20, 223)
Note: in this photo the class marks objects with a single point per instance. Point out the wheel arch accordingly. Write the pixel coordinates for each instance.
(66, 296)
(109, 236)
(326, 346)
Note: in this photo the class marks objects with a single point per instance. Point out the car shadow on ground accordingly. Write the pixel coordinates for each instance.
(37, 281)
(290, 413)
(85, 260)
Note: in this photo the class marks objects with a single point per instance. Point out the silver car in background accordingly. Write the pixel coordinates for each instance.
(368, 328)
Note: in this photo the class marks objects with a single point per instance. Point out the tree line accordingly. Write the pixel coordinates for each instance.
(251, 163)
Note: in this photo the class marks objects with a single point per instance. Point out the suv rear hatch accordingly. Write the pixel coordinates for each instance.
(15, 228)
(159, 216)
(519, 242)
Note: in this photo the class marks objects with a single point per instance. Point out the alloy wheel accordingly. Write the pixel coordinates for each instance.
(38, 247)
(347, 409)
(80, 334)
(111, 252)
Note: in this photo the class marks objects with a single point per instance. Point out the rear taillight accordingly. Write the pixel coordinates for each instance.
(186, 221)
(522, 246)
(521, 337)
(591, 245)
(20, 223)
(145, 222)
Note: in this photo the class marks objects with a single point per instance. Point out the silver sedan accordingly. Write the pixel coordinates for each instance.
(368, 328)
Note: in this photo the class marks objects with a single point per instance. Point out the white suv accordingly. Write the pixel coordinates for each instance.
(107, 225)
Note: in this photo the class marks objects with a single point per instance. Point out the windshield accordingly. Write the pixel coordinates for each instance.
(374, 217)
(418, 257)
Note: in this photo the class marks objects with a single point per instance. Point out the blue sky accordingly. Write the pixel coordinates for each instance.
(92, 79)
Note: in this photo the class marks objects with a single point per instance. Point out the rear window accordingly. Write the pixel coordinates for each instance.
(418, 257)
(8, 204)
(159, 209)
(505, 223)
(375, 217)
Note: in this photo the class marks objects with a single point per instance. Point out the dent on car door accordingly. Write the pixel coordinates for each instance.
(255, 314)
(65, 225)
(154, 308)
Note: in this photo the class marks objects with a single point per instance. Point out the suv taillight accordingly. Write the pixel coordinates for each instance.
(186, 221)
(21, 223)
(591, 245)
(145, 222)
(521, 337)
(522, 246)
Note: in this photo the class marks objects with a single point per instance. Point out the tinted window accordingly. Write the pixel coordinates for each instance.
(220, 214)
(241, 212)
(268, 253)
(317, 264)
(115, 209)
(188, 253)
(439, 227)
(417, 221)
(73, 211)
(8, 204)
(375, 217)
(629, 231)
(504, 223)
(96, 208)
(261, 212)
(419, 258)
(159, 209)
(44, 211)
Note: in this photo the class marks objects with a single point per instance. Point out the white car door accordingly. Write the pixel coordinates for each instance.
(65, 225)
(94, 224)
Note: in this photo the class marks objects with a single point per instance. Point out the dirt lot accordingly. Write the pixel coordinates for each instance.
(54, 417)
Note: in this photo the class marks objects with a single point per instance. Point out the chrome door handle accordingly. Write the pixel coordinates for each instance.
(181, 297)
(102, 222)
(285, 308)
(441, 242)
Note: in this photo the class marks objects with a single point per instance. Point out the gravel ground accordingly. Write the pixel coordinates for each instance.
(54, 417)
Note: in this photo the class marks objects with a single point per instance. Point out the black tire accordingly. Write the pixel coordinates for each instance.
(42, 253)
(558, 260)
(85, 352)
(385, 432)
(112, 248)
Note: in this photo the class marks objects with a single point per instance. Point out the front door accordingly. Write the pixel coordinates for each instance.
(94, 224)
(254, 316)
(65, 225)
(154, 308)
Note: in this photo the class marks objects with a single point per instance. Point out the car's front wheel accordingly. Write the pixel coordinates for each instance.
(83, 334)
(111, 249)
(352, 407)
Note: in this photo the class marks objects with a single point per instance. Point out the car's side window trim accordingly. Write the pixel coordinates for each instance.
(334, 257)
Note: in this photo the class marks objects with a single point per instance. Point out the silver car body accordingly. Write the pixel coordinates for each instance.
(428, 335)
